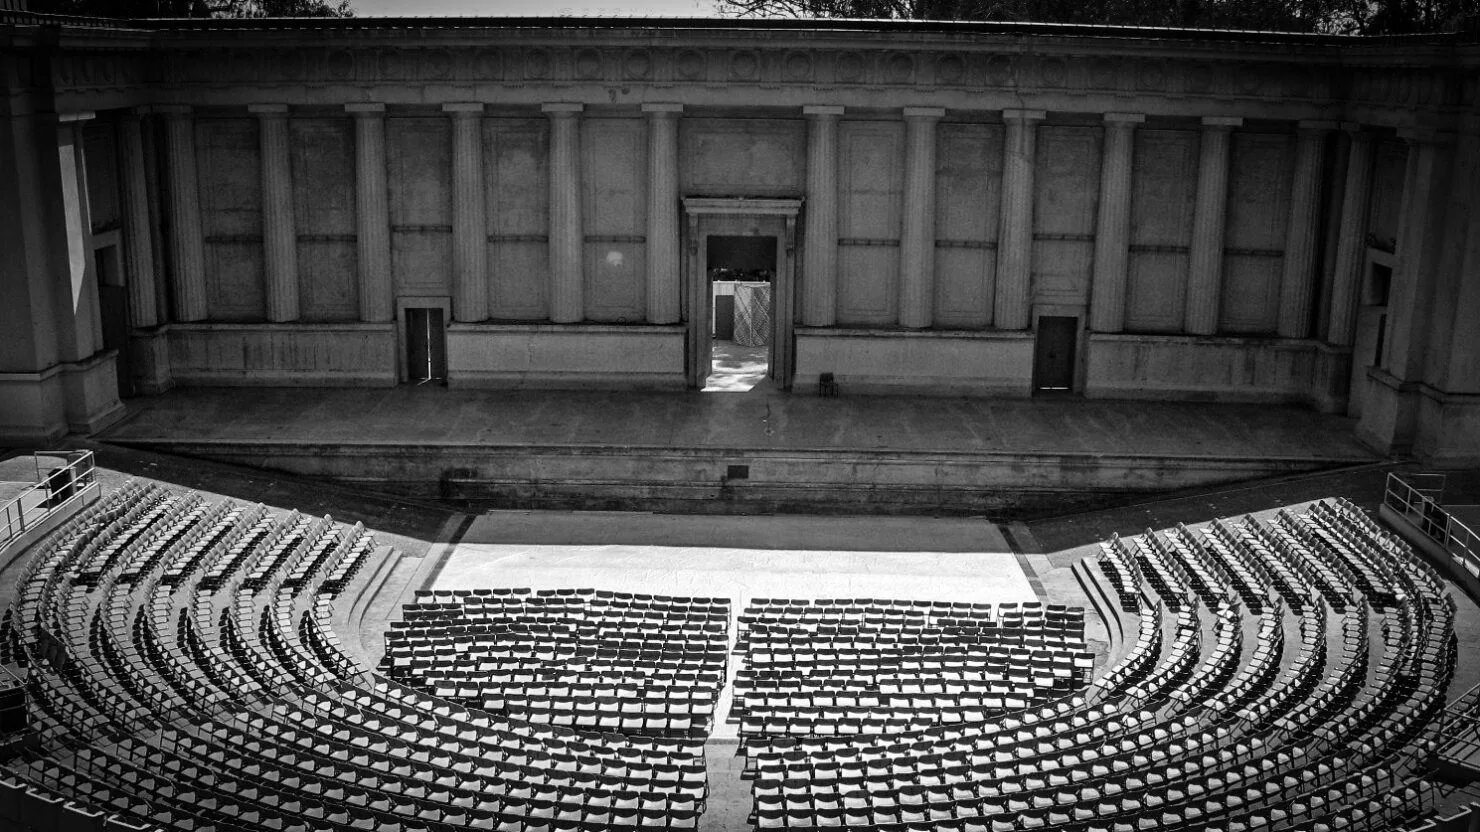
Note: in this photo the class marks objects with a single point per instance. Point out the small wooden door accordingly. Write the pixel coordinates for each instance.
(1053, 354)
(426, 346)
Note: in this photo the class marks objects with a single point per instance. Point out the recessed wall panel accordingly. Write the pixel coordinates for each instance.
(1163, 190)
(968, 185)
(1260, 170)
(614, 167)
(516, 159)
(742, 156)
(323, 159)
(1390, 167)
(419, 179)
(869, 195)
(99, 144)
(230, 179)
(1065, 200)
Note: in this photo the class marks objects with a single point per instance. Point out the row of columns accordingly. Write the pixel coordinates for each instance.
(372, 229)
(1012, 297)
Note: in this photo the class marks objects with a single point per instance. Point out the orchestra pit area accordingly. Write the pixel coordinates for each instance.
(194, 663)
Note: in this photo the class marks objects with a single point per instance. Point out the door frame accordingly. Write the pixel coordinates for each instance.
(1081, 344)
(738, 217)
(403, 373)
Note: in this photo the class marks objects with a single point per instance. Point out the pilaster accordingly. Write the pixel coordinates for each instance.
(279, 226)
(1015, 241)
(138, 245)
(1351, 246)
(567, 278)
(187, 249)
(1302, 234)
(820, 257)
(469, 221)
(662, 213)
(1205, 260)
(1113, 224)
(917, 234)
(372, 213)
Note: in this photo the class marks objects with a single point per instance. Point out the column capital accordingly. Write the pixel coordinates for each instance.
(1223, 122)
(925, 112)
(822, 110)
(1125, 118)
(1316, 125)
(362, 109)
(562, 109)
(268, 110)
(1355, 128)
(1425, 135)
(657, 108)
(171, 110)
(1024, 115)
(68, 118)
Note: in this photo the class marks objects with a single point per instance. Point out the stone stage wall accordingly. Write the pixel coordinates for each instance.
(1201, 215)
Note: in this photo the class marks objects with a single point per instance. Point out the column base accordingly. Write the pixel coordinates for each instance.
(77, 397)
(149, 360)
(1389, 418)
(1448, 432)
(91, 390)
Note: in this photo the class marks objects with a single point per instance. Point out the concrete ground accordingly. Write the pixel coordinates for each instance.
(736, 367)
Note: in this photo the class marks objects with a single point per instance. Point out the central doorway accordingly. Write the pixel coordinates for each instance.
(742, 277)
(739, 276)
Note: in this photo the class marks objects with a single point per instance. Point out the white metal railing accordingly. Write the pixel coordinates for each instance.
(1414, 497)
(51, 490)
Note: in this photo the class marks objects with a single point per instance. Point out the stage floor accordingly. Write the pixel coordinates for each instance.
(739, 558)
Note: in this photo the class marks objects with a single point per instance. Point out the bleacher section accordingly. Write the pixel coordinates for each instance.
(580, 658)
(1279, 675)
(1284, 676)
(182, 676)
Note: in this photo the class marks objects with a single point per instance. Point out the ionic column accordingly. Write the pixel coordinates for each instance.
(469, 222)
(820, 258)
(187, 250)
(372, 213)
(279, 228)
(917, 236)
(1015, 241)
(1297, 282)
(138, 245)
(662, 213)
(567, 279)
(1113, 224)
(1351, 246)
(1205, 260)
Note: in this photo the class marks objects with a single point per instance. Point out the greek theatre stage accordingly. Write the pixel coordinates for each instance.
(740, 558)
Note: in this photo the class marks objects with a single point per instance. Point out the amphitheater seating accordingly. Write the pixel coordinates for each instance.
(1209, 719)
(637, 664)
(184, 677)
(1277, 675)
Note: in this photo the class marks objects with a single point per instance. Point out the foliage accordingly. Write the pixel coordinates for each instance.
(195, 8)
(1364, 17)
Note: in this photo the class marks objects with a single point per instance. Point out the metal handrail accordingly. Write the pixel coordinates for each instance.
(38, 501)
(1422, 510)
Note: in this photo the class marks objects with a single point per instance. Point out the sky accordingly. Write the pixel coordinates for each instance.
(572, 8)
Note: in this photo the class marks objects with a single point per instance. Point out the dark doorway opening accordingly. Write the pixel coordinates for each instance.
(741, 273)
(113, 310)
(426, 346)
(1053, 354)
